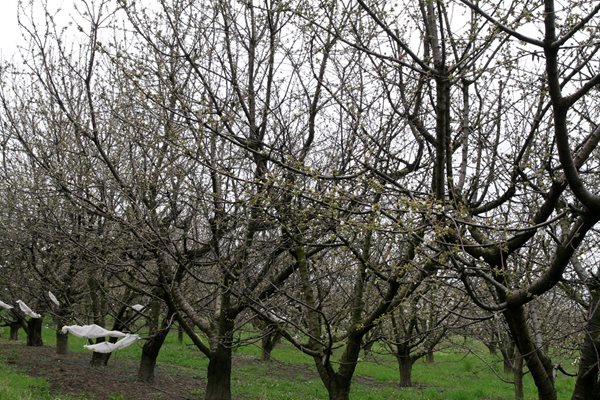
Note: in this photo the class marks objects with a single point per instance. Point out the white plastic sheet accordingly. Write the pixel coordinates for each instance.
(138, 307)
(91, 331)
(107, 347)
(5, 306)
(53, 298)
(28, 310)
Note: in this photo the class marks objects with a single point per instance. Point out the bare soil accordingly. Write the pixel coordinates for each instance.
(72, 374)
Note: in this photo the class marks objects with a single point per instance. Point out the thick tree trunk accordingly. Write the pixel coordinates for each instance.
(218, 376)
(99, 359)
(429, 357)
(269, 340)
(218, 385)
(34, 332)
(339, 388)
(405, 364)
(266, 348)
(152, 346)
(98, 305)
(62, 342)
(14, 330)
(518, 376)
(540, 366)
(338, 384)
(587, 386)
(150, 352)
(61, 318)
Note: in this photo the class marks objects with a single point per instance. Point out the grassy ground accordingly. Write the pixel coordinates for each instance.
(15, 385)
(456, 374)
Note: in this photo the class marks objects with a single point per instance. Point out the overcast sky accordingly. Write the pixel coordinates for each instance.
(10, 33)
(9, 29)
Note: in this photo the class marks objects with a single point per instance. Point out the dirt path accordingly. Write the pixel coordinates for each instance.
(71, 374)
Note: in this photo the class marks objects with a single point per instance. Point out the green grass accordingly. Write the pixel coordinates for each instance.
(456, 374)
(15, 385)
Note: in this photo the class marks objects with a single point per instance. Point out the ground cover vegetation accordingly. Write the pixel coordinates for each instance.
(181, 374)
(349, 179)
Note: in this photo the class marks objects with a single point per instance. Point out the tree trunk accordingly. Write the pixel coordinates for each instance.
(518, 376)
(536, 326)
(405, 364)
(150, 352)
(587, 385)
(507, 359)
(62, 342)
(218, 385)
(266, 348)
(429, 357)
(339, 388)
(99, 359)
(179, 334)
(492, 347)
(367, 348)
(540, 366)
(34, 332)
(14, 330)
(61, 318)
(338, 383)
(269, 340)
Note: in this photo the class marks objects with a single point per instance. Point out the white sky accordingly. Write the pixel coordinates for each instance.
(9, 28)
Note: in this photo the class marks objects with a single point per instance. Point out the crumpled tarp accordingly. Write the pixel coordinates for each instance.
(91, 331)
(53, 298)
(138, 307)
(27, 310)
(107, 347)
(5, 306)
